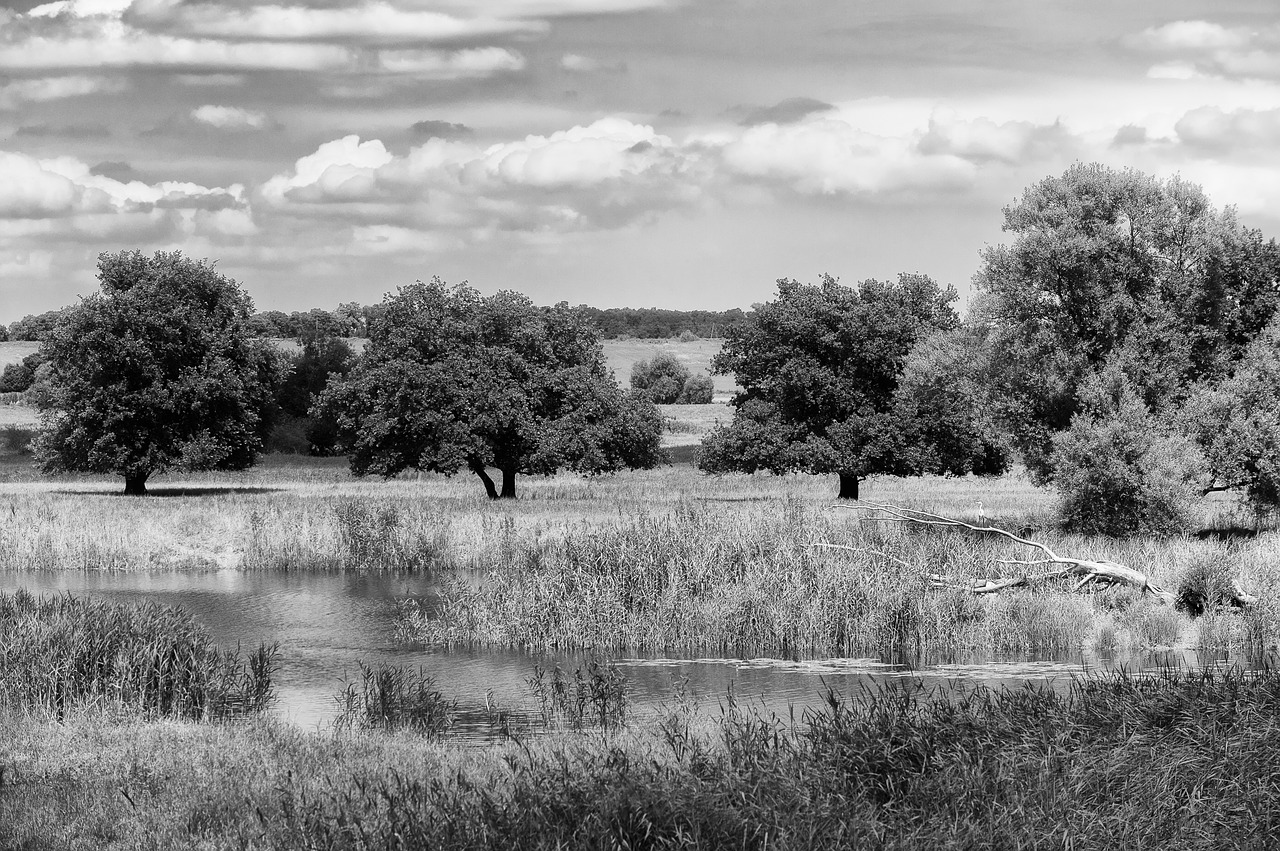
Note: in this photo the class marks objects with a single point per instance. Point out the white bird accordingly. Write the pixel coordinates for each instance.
(982, 516)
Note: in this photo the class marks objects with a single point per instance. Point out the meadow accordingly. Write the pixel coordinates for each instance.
(668, 558)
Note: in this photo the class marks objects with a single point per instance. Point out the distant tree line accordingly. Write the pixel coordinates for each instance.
(658, 323)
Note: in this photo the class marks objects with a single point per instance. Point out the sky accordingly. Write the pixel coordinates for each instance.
(671, 153)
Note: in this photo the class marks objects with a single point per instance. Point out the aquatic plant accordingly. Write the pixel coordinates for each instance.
(394, 697)
(60, 654)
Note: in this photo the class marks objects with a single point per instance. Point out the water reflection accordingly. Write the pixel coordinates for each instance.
(326, 624)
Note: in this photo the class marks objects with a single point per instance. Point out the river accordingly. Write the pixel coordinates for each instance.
(326, 624)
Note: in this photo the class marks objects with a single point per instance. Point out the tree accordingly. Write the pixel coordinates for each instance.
(156, 372)
(1116, 266)
(33, 328)
(697, 390)
(820, 367)
(662, 379)
(1236, 423)
(322, 357)
(452, 380)
(1121, 470)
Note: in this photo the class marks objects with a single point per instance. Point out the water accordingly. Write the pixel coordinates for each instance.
(326, 624)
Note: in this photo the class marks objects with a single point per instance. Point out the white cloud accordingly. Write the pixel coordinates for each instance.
(1202, 47)
(1173, 71)
(56, 88)
(574, 62)
(373, 21)
(1190, 36)
(438, 64)
(1219, 131)
(983, 140)
(80, 8)
(111, 44)
(228, 117)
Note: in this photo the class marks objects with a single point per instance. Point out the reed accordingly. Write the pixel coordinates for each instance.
(390, 697)
(59, 654)
(1172, 761)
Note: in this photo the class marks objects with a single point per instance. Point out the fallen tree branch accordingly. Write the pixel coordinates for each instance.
(1088, 571)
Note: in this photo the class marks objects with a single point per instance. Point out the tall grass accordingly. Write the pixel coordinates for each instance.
(391, 697)
(63, 654)
(1181, 760)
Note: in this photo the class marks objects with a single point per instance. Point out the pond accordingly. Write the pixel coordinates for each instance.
(326, 624)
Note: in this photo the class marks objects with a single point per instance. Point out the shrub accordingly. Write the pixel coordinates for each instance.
(16, 439)
(697, 390)
(1119, 470)
(687, 336)
(662, 379)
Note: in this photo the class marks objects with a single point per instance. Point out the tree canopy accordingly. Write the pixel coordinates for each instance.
(451, 380)
(1110, 265)
(158, 371)
(820, 368)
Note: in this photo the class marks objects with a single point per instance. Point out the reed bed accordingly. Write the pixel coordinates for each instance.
(753, 580)
(394, 697)
(61, 654)
(1174, 761)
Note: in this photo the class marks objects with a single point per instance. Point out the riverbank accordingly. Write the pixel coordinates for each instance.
(1175, 761)
(663, 560)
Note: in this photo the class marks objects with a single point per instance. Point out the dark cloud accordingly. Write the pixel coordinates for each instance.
(1129, 134)
(115, 170)
(432, 128)
(63, 131)
(786, 111)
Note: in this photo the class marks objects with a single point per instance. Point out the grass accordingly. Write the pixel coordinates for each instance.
(1170, 762)
(65, 654)
(622, 355)
(391, 697)
(668, 558)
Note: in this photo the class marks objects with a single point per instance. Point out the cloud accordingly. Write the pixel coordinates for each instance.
(431, 128)
(983, 140)
(1217, 131)
(437, 64)
(43, 89)
(787, 111)
(829, 156)
(372, 22)
(1200, 47)
(1129, 134)
(65, 131)
(229, 117)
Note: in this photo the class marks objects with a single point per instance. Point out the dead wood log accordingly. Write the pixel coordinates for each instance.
(1107, 572)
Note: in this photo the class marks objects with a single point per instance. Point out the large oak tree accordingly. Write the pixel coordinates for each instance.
(157, 372)
(819, 368)
(452, 380)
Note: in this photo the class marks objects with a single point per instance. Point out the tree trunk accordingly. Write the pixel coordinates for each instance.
(479, 470)
(848, 486)
(135, 484)
(509, 483)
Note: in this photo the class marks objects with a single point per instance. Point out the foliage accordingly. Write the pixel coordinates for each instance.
(659, 323)
(451, 379)
(156, 372)
(58, 654)
(1116, 266)
(1119, 470)
(596, 692)
(819, 367)
(391, 697)
(697, 390)
(1237, 423)
(661, 379)
(321, 357)
(33, 328)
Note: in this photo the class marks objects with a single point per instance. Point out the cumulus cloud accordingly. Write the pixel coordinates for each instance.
(1200, 47)
(42, 89)
(830, 156)
(983, 140)
(785, 111)
(1218, 131)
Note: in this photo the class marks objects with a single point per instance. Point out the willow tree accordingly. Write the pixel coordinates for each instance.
(452, 380)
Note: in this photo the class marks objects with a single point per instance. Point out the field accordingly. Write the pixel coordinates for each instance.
(668, 558)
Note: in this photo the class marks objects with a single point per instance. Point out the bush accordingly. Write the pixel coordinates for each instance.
(697, 390)
(16, 378)
(662, 379)
(687, 336)
(16, 439)
(1119, 470)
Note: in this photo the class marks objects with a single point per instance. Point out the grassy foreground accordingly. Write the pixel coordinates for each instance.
(1180, 761)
